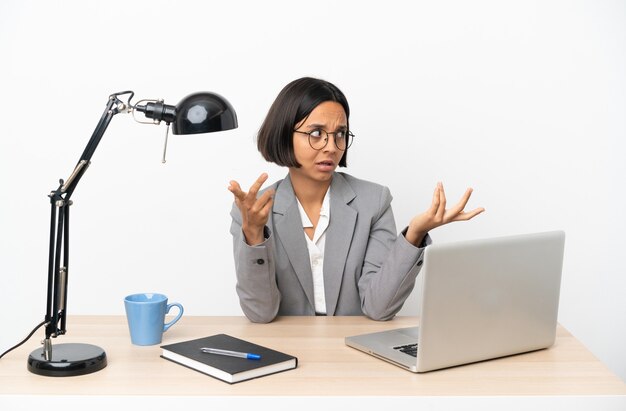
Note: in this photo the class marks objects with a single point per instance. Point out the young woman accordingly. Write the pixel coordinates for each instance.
(321, 242)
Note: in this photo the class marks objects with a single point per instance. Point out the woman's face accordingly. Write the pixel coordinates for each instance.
(319, 165)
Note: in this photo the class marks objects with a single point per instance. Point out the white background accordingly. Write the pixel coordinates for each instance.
(524, 101)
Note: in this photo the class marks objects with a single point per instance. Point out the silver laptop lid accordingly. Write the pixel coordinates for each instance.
(489, 298)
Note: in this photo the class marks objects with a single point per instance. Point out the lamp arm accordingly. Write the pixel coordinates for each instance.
(114, 106)
(58, 258)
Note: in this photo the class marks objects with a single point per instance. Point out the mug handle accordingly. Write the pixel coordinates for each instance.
(166, 326)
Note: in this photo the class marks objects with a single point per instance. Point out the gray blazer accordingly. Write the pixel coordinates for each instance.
(368, 268)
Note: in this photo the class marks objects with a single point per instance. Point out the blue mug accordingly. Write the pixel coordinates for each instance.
(146, 317)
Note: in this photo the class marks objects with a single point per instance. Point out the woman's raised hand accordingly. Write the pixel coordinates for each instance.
(254, 211)
(437, 215)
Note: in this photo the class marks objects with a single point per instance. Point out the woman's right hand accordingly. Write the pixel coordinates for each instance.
(254, 211)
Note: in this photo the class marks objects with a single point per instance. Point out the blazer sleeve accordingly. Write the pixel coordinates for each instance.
(390, 267)
(255, 268)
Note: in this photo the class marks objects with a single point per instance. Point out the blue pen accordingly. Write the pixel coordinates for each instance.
(231, 353)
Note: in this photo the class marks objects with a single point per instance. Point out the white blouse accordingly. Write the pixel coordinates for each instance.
(316, 250)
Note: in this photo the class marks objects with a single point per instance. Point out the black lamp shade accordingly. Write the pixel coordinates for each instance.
(204, 113)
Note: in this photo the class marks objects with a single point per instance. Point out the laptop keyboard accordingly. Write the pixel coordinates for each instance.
(410, 349)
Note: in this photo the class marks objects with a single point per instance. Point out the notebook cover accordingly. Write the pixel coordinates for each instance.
(230, 365)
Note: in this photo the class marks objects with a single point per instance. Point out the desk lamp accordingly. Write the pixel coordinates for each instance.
(196, 113)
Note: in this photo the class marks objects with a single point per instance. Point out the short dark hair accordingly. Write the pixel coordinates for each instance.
(292, 106)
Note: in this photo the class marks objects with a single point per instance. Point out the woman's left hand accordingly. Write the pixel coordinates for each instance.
(437, 215)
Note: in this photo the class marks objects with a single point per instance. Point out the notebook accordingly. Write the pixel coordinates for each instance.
(481, 299)
(229, 368)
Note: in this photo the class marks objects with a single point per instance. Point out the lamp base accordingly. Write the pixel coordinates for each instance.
(68, 360)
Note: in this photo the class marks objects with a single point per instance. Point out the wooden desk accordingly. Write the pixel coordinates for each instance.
(326, 365)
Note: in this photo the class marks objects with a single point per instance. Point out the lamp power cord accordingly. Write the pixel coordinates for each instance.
(24, 340)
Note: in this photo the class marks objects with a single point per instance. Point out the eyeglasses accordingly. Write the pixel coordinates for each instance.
(318, 139)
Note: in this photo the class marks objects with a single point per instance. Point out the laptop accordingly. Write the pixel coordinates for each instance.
(481, 299)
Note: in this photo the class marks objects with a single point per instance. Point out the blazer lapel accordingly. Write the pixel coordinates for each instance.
(288, 225)
(338, 239)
